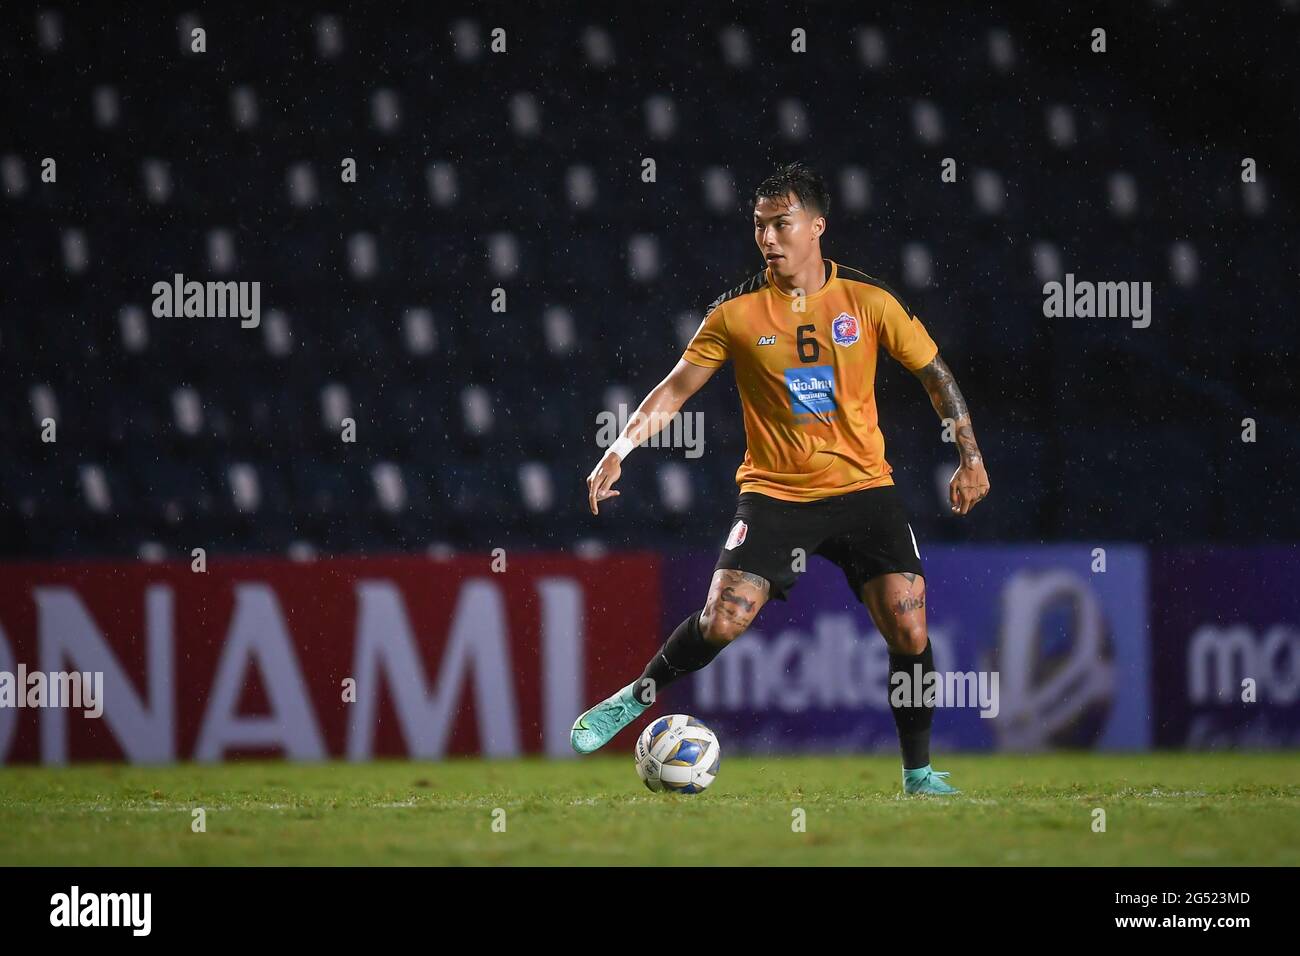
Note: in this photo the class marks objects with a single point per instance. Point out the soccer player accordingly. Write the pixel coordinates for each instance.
(803, 336)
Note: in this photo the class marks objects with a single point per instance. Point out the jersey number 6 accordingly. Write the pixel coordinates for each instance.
(809, 350)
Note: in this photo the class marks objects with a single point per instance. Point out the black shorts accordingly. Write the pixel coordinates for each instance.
(865, 533)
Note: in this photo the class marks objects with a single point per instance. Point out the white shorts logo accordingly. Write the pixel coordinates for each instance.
(914, 547)
(737, 536)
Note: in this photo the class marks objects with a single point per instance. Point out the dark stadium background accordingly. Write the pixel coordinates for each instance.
(1122, 166)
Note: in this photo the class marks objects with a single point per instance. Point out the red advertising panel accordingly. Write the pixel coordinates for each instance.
(346, 657)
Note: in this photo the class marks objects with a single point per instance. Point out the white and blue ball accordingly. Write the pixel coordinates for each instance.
(677, 754)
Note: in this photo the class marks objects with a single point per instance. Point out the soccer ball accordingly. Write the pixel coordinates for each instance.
(677, 754)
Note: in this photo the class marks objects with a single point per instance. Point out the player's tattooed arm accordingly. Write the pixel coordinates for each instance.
(947, 400)
(970, 483)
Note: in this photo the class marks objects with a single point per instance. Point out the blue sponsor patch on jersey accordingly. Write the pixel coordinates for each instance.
(812, 389)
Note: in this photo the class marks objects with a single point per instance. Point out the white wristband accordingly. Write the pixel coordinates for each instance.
(622, 446)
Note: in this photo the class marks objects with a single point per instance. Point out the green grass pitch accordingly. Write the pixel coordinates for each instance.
(1161, 809)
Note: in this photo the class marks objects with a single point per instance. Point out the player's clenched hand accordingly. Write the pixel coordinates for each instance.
(969, 485)
(601, 478)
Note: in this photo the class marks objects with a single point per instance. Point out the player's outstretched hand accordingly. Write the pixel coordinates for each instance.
(601, 478)
(969, 486)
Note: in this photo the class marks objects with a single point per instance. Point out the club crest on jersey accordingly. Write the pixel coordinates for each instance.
(767, 340)
(844, 330)
(737, 536)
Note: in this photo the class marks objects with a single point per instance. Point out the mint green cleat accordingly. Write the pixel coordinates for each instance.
(925, 780)
(598, 726)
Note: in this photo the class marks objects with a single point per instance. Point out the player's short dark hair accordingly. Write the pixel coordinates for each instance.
(805, 183)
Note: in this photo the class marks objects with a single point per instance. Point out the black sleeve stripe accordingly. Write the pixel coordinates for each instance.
(752, 284)
(856, 275)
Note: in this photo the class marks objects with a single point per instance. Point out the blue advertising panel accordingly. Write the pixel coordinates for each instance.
(1040, 648)
(1225, 628)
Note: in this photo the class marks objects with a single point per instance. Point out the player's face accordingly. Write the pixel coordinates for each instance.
(787, 234)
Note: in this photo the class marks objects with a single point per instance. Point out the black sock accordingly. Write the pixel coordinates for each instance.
(685, 651)
(913, 723)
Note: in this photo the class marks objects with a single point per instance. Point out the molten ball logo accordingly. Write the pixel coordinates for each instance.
(1056, 661)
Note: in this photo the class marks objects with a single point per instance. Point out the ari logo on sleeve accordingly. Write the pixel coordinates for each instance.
(812, 390)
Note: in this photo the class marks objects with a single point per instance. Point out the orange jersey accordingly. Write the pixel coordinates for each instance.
(807, 379)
